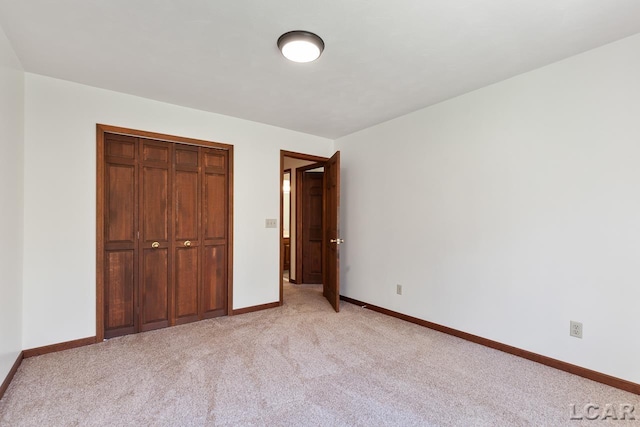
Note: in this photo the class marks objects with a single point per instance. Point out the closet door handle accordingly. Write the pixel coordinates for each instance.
(154, 245)
(187, 243)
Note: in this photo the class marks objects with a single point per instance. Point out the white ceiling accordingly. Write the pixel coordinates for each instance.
(382, 59)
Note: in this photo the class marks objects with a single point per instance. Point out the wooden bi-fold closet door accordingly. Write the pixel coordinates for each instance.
(154, 285)
(187, 250)
(165, 233)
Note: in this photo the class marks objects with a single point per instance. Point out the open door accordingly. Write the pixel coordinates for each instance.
(332, 241)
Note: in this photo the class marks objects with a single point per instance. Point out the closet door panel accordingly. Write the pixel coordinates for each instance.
(214, 208)
(155, 224)
(120, 235)
(186, 267)
(120, 147)
(186, 233)
(155, 230)
(214, 300)
(186, 196)
(214, 232)
(119, 293)
(156, 152)
(121, 226)
(154, 307)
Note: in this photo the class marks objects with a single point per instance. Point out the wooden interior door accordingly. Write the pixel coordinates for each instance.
(164, 236)
(332, 241)
(312, 205)
(120, 235)
(186, 241)
(155, 284)
(214, 238)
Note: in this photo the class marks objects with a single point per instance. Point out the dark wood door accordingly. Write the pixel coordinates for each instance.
(186, 242)
(155, 284)
(312, 206)
(120, 235)
(332, 241)
(164, 256)
(214, 238)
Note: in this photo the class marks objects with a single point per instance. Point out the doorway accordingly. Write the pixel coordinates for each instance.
(309, 222)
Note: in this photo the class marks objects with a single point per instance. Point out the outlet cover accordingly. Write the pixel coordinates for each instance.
(399, 289)
(270, 223)
(575, 329)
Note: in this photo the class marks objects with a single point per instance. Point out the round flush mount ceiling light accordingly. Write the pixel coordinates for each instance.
(300, 46)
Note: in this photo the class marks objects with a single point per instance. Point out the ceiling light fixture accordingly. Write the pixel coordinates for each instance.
(300, 46)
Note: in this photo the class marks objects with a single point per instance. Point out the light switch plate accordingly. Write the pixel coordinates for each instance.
(270, 223)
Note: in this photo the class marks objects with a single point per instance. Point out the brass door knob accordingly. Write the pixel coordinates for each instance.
(155, 245)
(337, 241)
(187, 243)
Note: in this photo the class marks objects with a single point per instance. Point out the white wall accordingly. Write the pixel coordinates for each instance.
(11, 203)
(60, 197)
(509, 211)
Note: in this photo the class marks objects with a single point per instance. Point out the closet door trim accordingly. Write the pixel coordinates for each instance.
(101, 130)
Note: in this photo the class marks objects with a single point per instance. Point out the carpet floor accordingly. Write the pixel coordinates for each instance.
(297, 365)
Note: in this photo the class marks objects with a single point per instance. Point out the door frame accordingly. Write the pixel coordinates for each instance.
(284, 172)
(101, 129)
(299, 156)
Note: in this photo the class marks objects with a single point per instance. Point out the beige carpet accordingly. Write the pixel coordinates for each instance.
(300, 364)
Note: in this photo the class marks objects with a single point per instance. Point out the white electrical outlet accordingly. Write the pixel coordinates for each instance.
(399, 289)
(575, 329)
(270, 223)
